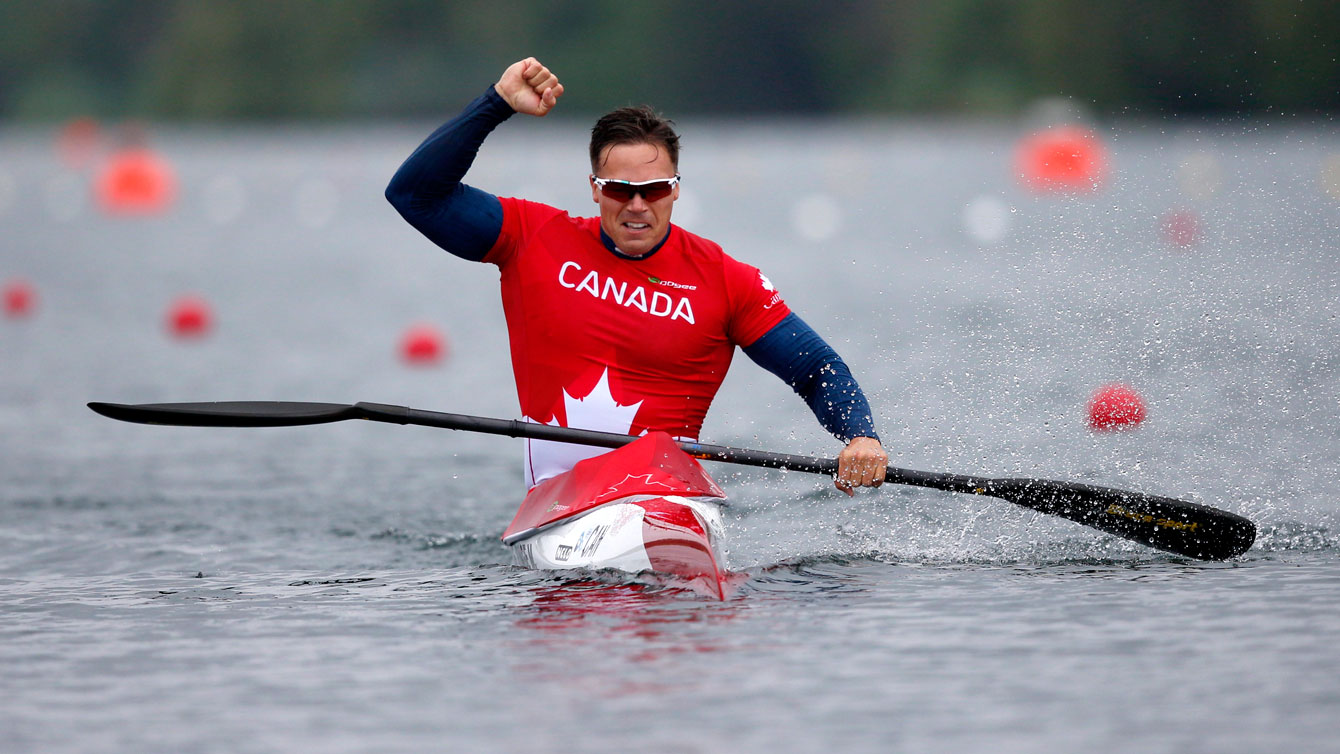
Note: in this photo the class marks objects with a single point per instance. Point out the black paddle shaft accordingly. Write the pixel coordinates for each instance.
(1165, 523)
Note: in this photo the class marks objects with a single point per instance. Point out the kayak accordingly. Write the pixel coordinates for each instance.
(644, 507)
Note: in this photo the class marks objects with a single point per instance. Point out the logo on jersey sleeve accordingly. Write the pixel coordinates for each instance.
(656, 303)
(768, 286)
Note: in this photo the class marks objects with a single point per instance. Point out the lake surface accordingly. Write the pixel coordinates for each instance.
(342, 588)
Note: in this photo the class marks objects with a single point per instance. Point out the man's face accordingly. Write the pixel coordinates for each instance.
(635, 224)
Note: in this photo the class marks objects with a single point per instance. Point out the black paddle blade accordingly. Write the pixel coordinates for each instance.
(228, 413)
(1165, 523)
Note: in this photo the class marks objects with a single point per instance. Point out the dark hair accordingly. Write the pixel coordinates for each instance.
(633, 125)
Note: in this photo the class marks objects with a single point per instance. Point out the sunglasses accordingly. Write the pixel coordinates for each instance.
(624, 191)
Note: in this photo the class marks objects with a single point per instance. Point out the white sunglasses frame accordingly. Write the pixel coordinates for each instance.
(601, 183)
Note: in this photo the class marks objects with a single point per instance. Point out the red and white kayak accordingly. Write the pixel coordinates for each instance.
(646, 506)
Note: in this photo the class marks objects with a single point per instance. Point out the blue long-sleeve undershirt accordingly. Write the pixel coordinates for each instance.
(793, 351)
(427, 191)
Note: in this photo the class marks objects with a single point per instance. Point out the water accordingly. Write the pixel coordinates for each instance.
(342, 587)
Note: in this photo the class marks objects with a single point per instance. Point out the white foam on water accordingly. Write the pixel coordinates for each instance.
(65, 197)
(1330, 175)
(1200, 175)
(688, 210)
(987, 220)
(816, 217)
(316, 202)
(8, 191)
(224, 198)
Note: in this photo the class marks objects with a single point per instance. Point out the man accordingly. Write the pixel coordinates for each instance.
(623, 322)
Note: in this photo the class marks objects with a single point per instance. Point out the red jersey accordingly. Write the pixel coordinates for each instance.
(605, 342)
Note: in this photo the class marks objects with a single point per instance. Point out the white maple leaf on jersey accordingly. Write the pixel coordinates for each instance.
(598, 411)
(767, 284)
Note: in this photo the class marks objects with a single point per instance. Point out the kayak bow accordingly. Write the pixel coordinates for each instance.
(646, 506)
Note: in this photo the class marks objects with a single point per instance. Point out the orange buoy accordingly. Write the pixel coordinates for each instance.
(20, 299)
(1064, 158)
(422, 345)
(136, 181)
(190, 317)
(1115, 406)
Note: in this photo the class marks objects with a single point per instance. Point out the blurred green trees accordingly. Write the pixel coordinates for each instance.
(228, 59)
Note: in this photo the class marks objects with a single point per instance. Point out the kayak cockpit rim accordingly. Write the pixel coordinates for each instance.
(515, 537)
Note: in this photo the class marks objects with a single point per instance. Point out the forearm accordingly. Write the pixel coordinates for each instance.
(427, 189)
(795, 353)
(838, 401)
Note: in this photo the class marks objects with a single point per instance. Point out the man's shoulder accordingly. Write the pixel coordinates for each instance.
(535, 215)
(531, 224)
(710, 259)
(699, 246)
(530, 208)
(706, 251)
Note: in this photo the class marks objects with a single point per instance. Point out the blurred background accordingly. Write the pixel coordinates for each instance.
(1070, 195)
(361, 59)
(1022, 223)
(1074, 239)
(198, 185)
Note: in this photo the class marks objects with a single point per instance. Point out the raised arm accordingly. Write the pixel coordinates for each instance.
(427, 189)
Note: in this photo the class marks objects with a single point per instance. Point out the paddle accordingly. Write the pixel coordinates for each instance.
(1177, 526)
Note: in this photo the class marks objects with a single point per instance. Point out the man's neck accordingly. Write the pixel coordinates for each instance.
(609, 244)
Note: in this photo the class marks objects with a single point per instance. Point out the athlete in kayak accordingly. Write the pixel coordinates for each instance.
(623, 322)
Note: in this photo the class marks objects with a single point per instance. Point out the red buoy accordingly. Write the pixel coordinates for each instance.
(20, 299)
(1181, 228)
(1065, 158)
(78, 142)
(422, 345)
(1115, 406)
(190, 317)
(136, 181)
